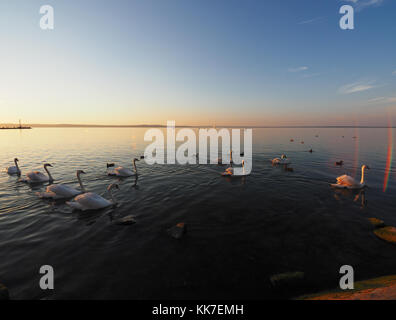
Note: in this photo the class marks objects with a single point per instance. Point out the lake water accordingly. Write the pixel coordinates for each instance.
(240, 231)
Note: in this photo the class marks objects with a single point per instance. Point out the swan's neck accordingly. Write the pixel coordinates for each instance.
(49, 174)
(134, 166)
(80, 182)
(362, 180)
(16, 165)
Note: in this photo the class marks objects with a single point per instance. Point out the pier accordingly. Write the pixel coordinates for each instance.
(20, 127)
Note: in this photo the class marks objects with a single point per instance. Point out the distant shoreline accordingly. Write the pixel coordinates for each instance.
(14, 128)
(30, 126)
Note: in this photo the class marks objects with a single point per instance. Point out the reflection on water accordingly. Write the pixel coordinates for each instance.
(240, 230)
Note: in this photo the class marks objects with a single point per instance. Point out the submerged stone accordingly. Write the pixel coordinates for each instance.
(377, 223)
(4, 294)
(287, 279)
(178, 230)
(387, 234)
(127, 220)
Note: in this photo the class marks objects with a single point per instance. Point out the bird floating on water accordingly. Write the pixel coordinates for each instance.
(123, 172)
(282, 160)
(93, 201)
(61, 191)
(14, 169)
(339, 163)
(38, 177)
(230, 171)
(347, 182)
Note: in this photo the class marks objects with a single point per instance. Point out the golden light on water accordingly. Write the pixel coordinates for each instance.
(389, 157)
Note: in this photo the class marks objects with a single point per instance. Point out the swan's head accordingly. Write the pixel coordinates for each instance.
(365, 167)
(16, 160)
(135, 159)
(80, 171)
(283, 156)
(141, 157)
(243, 163)
(47, 165)
(113, 186)
(108, 165)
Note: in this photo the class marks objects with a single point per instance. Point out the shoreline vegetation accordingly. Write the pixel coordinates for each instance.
(65, 125)
(382, 288)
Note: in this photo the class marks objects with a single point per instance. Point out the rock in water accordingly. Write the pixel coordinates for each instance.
(4, 295)
(387, 234)
(377, 223)
(178, 230)
(287, 279)
(127, 220)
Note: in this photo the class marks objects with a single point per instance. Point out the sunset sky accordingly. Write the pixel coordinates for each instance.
(198, 62)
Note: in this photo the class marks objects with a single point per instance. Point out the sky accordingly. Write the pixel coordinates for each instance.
(198, 62)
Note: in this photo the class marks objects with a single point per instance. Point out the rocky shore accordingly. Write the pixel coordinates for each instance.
(383, 288)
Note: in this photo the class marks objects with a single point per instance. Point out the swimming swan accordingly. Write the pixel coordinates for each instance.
(124, 172)
(61, 191)
(347, 182)
(230, 171)
(38, 177)
(93, 201)
(14, 169)
(282, 160)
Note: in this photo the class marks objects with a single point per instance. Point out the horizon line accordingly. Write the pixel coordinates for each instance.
(68, 125)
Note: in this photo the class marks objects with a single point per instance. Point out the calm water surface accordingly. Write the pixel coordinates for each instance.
(240, 231)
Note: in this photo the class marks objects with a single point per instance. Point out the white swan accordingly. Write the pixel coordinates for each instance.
(347, 182)
(61, 191)
(93, 201)
(14, 169)
(282, 160)
(124, 172)
(38, 177)
(230, 171)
